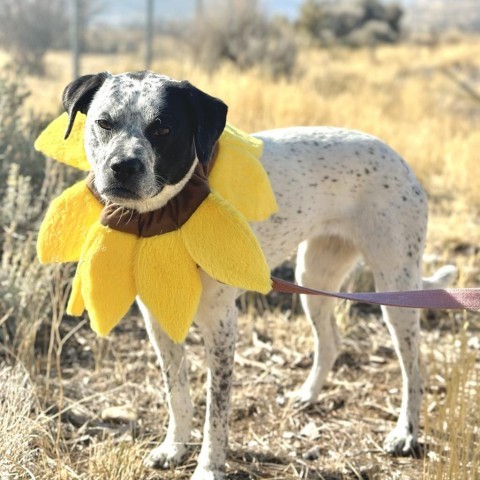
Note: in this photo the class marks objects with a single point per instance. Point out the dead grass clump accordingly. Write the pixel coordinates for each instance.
(452, 416)
(20, 428)
(30, 294)
(109, 460)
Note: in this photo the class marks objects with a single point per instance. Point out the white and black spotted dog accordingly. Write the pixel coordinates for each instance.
(342, 194)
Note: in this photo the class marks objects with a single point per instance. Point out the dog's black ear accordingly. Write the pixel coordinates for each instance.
(78, 95)
(210, 117)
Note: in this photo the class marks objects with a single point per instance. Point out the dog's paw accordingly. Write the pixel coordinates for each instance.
(165, 456)
(301, 399)
(204, 473)
(401, 442)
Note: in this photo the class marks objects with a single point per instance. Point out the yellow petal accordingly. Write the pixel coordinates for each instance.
(246, 186)
(234, 136)
(71, 151)
(168, 282)
(220, 240)
(66, 224)
(107, 282)
(76, 305)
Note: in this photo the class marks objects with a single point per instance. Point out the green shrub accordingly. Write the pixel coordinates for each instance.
(29, 292)
(18, 131)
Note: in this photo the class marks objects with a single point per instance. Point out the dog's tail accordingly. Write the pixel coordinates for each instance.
(442, 278)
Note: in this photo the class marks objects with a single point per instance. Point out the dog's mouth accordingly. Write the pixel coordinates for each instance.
(117, 193)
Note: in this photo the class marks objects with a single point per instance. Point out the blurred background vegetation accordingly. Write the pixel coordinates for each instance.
(244, 32)
(406, 71)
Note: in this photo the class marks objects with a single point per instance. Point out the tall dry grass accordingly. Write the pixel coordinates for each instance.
(403, 94)
(452, 413)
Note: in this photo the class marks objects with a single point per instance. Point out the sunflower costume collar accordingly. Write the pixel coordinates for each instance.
(156, 256)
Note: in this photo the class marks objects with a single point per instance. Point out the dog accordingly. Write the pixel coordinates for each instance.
(342, 194)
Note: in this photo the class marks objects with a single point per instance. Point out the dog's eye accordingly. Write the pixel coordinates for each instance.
(104, 124)
(159, 130)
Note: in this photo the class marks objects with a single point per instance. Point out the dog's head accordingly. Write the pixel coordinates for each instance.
(144, 133)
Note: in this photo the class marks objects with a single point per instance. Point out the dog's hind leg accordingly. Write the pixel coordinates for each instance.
(217, 319)
(395, 257)
(173, 362)
(404, 327)
(322, 263)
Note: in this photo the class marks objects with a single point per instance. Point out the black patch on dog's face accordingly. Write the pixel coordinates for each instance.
(171, 136)
(194, 121)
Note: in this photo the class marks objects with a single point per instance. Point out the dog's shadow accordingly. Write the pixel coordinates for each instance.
(252, 465)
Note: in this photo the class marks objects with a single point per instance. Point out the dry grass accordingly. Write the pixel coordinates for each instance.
(18, 423)
(400, 94)
(51, 418)
(338, 438)
(454, 408)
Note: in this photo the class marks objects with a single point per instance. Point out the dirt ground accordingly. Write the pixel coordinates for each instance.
(339, 437)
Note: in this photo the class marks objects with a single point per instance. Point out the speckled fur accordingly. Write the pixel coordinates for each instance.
(342, 194)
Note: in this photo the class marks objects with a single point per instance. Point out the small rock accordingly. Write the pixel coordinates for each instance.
(77, 416)
(312, 454)
(474, 343)
(121, 414)
(370, 471)
(310, 430)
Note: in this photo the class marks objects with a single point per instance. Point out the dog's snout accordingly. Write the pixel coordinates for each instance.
(126, 168)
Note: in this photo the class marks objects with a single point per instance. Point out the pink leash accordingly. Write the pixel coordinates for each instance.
(449, 298)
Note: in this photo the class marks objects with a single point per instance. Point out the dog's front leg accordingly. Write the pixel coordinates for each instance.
(217, 319)
(174, 368)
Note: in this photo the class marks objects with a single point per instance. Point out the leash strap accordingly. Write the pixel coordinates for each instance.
(450, 298)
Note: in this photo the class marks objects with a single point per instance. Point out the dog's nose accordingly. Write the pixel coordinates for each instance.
(126, 168)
